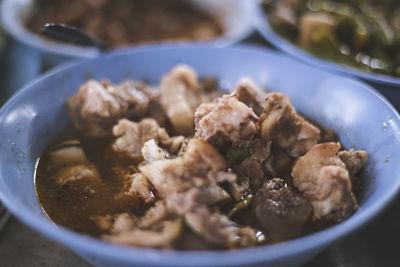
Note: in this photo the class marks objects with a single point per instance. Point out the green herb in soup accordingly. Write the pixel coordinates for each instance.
(185, 166)
(360, 34)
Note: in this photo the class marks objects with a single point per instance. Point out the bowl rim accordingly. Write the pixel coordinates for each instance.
(263, 26)
(120, 253)
(9, 21)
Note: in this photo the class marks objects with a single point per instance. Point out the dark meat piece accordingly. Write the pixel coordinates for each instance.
(98, 106)
(252, 166)
(281, 212)
(218, 229)
(353, 159)
(235, 185)
(155, 110)
(281, 124)
(191, 241)
(279, 164)
(226, 120)
(250, 94)
(324, 180)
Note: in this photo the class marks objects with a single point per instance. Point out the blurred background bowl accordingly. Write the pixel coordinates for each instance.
(263, 26)
(362, 118)
(232, 15)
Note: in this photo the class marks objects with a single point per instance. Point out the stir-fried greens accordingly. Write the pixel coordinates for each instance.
(363, 34)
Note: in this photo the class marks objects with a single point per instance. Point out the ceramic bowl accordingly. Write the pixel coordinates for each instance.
(232, 14)
(260, 20)
(362, 118)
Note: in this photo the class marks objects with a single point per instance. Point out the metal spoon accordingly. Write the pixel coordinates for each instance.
(72, 35)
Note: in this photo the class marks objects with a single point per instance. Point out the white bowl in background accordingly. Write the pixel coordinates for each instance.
(232, 14)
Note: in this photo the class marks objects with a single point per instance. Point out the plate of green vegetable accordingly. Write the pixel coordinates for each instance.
(353, 37)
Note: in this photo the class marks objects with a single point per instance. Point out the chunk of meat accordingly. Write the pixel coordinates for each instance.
(253, 165)
(179, 89)
(184, 202)
(354, 160)
(163, 238)
(281, 212)
(72, 173)
(218, 229)
(98, 106)
(174, 143)
(281, 124)
(68, 152)
(103, 222)
(132, 135)
(237, 186)
(189, 180)
(324, 180)
(166, 175)
(154, 215)
(226, 120)
(137, 186)
(250, 94)
(174, 175)
(151, 151)
(124, 222)
(155, 109)
(201, 158)
(279, 164)
(132, 96)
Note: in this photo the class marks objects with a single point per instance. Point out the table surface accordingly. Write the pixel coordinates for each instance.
(374, 245)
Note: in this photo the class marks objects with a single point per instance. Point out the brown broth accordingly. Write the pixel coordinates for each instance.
(73, 204)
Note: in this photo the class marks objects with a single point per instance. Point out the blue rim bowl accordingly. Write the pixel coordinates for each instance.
(261, 23)
(362, 118)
